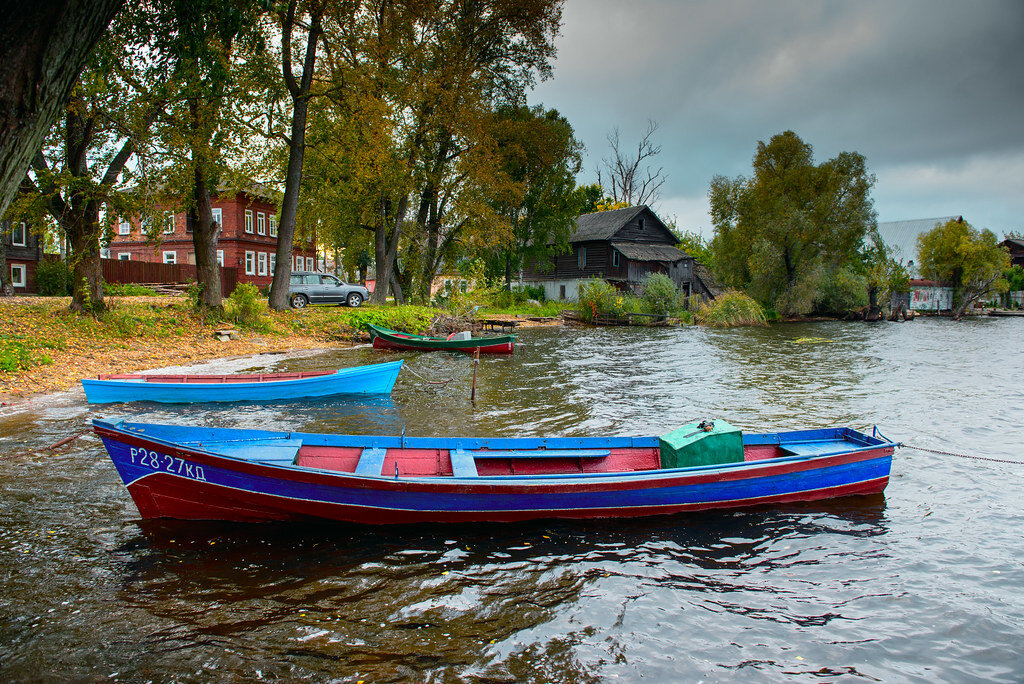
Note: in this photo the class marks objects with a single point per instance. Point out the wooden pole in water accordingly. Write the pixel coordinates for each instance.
(476, 362)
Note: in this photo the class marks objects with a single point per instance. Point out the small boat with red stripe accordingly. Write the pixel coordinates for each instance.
(203, 473)
(384, 338)
(376, 378)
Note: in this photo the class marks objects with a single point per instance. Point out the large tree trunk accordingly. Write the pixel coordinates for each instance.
(43, 46)
(205, 233)
(300, 92)
(385, 251)
(83, 230)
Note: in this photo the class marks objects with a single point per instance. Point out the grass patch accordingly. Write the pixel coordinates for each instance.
(730, 309)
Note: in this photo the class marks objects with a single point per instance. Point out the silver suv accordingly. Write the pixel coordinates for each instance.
(320, 288)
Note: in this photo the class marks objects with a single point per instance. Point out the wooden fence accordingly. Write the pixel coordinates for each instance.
(148, 273)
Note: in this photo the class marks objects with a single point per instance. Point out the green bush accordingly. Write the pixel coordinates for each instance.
(661, 294)
(248, 309)
(841, 292)
(53, 278)
(127, 290)
(731, 308)
(599, 298)
(411, 319)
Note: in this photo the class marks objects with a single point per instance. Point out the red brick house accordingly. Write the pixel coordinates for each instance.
(24, 251)
(248, 239)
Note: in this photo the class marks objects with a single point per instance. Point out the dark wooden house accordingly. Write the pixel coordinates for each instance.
(23, 251)
(623, 247)
(1015, 247)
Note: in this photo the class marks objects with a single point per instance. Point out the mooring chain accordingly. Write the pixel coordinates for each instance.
(950, 453)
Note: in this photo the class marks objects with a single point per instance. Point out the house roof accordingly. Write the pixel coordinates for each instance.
(902, 235)
(1014, 241)
(704, 274)
(644, 252)
(602, 225)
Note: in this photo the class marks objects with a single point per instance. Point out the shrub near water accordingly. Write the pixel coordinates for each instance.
(599, 298)
(661, 294)
(729, 309)
(248, 309)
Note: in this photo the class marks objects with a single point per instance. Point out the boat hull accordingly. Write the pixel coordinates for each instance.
(383, 338)
(170, 479)
(374, 379)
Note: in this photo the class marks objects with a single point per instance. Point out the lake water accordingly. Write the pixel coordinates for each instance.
(922, 584)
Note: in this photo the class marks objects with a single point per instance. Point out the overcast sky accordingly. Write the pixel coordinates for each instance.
(931, 92)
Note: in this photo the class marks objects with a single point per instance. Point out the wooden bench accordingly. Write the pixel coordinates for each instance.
(269, 451)
(811, 448)
(371, 461)
(464, 462)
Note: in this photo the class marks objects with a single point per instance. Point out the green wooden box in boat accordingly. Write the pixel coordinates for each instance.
(694, 445)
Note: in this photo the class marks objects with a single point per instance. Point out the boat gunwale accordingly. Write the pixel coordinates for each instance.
(309, 380)
(398, 337)
(756, 468)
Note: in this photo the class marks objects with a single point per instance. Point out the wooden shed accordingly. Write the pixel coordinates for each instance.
(622, 246)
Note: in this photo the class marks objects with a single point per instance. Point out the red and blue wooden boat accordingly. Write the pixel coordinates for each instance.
(207, 473)
(383, 338)
(377, 378)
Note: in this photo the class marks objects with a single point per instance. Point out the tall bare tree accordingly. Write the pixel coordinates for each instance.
(626, 176)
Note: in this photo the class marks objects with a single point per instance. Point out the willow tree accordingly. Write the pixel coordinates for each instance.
(434, 72)
(541, 156)
(971, 260)
(44, 46)
(486, 54)
(780, 232)
(79, 172)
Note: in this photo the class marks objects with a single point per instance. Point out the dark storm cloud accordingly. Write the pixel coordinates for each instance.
(924, 89)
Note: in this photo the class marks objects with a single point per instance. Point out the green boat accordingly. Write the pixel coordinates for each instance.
(384, 338)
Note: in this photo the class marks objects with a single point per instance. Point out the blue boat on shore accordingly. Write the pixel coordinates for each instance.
(378, 378)
(203, 473)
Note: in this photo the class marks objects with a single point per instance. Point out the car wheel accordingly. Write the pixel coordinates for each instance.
(299, 301)
(354, 299)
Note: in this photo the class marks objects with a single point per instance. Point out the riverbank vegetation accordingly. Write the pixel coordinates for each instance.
(659, 298)
(396, 139)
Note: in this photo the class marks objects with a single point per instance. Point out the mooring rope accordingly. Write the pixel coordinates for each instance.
(950, 453)
(429, 382)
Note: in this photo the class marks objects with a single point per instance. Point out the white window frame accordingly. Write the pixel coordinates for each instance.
(16, 229)
(261, 265)
(309, 264)
(273, 262)
(124, 227)
(273, 226)
(250, 263)
(248, 221)
(261, 223)
(124, 256)
(298, 263)
(218, 217)
(21, 279)
(220, 258)
(171, 257)
(104, 252)
(168, 223)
